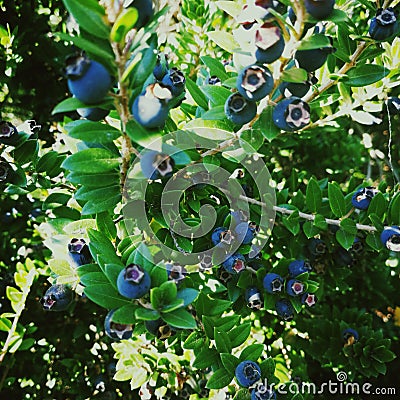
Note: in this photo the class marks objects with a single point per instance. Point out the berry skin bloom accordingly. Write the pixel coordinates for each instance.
(57, 298)
(390, 237)
(261, 392)
(79, 252)
(239, 110)
(133, 282)
(253, 299)
(255, 82)
(115, 330)
(284, 309)
(247, 373)
(299, 267)
(235, 263)
(384, 24)
(269, 42)
(291, 114)
(363, 197)
(8, 133)
(273, 283)
(319, 9)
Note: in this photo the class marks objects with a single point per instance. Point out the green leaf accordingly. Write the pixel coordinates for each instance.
(105, 295)
(242, 394)
(125, 314)
(105, 193)
(222, 341)
(216, 67)
(239, 334)
(91, 161)
(194, 341)
(206, 358)
(266, 126)
(292, 223)
(251, 140)
(163, 295)
(216, 94)
(309, 229)
(345, 238)
(146, 314)
(219, 379)
(197, 94)
(223, 39)
(365, 74)
(89, 15)
(316, 41)
(112, 271)
(230, 7)
(93, 180)
(378, 205)
(373, 240)
(349, 226)
(216, 113)
(394, 210)
(94, 278)
(93, 132)
(229, 361)
(97, 206)
(188, 295)
(158, 276)
(337, 201)
(100, 245)
(252, 352)
(180, 319)
(313, 196)
(106, 225)
(296, 75)
(267, 368)
(125, 22)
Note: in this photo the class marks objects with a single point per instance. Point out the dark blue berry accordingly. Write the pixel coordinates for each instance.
(88, 80)
(269, 42)
(284, 309)
(291, 114)
(235, 263)
(294, 287)
(133, 282)
(317, 247)
(116, 331)
(309, 299)
(313, 59)
(239, 110)
(319, 9)
(296, 89)
(246, 232)
(174, 80)
(350, 336)
(384, 25)
(253, 298)
(145, 10)
(393, 105)
(363, 197)
(255, 82)
(176, 272)
(57, 298)
(214, 80)
(273, 283)
(93, 114)
(247, 373)
(150, 109)
(161, 68)
(390, 237)
(156, 165)
(299, 267)
(8, 133)
(5, 171)
(158, 328)
(79, 252)
(221, 236)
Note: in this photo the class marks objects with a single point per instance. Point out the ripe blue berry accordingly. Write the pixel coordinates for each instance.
(261, 392)
(161, 68)
(297, 89)
(309, 299)
(221, 236)
(117, 331)
(299, 267)
(150, 109)
(176, 272)
(5, 171)
(88, 80)
(319, 9)
(363, 197)
(284, 309)
(93, 114)
(57, 298)
(317, 247)
(174, 80)
(255, 82)
(273, 283)
(393, 105)
(247, 373)
(253, 298)
(384, 24)
(156, 165)
(350, 336)
(145, 10)
(276, 5)
(235, 263)
(313, 59)
(133, 282)
(291, 114)
(294, 287)
(158, 328)
(269, 42)
(239, 110)
(79, 252)
(357, 246)
(390, 237)
(246, 232)
(8, 133)
(205, 262)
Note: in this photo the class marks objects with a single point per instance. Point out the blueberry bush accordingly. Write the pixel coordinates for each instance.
(199, 199)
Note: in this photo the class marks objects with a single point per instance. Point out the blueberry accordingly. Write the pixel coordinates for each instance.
(213, 80)
(309, 299)
(174, 80)
(8, 133)
(350, 336)
(393, 105)
(313, 59)
(246, 232)
(294, 287)
(57, 298)
(357, 246)
(156, 165)
(363, 197)
(161, 68)
(273, 283)
(390, 237)
(176, 272)
(299, 267)
(291, 114)
(235, 263)
(239, 110)
(238, 216)
(384, 24)
(247, 373)
(253, 298)
(5, 171)
(261, 392)
(205, 262)
(133, 282)
(269, 42)
(88, 80)
(293, 17)
(319, 9)
(296, 89)
(79, 252)
(93, 114)
(317, 247)
(221, 236)
(150, 109)
(255, 82)
(158, 328)
(284, 309)
(115, 330)
(146, 12)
